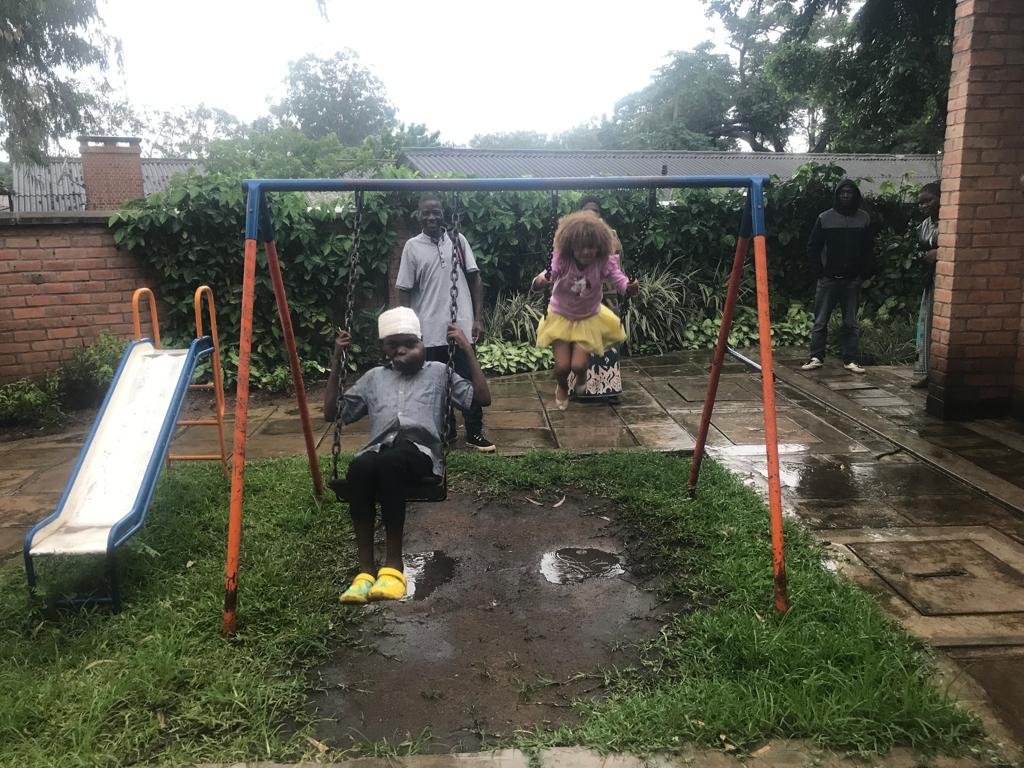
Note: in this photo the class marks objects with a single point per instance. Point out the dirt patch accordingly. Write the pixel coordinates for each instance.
(487, 644)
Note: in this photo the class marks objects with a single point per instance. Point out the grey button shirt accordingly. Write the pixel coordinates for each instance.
(410, 407)
(426, 272)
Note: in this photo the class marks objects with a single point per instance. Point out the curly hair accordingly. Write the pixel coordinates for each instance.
(584, 229)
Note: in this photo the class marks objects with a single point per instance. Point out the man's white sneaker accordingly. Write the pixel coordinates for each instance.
(811, 364)
(852, 367)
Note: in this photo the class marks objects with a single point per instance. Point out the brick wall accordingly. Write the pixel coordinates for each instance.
(111, 170)
(62, 282)
(978, 334)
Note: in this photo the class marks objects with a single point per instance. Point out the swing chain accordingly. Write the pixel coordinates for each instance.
(552, 228)
(458, 257)
(645, 226)
(357, 229)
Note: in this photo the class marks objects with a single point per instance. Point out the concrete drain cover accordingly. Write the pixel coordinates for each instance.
(946, 578)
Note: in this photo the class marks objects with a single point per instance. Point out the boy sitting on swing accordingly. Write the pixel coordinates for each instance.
(405, 402)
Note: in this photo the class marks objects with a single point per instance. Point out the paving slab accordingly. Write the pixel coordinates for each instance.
(10, 479)
(516, 404)
(15, 456)
(946, 578)
(12, 537)
(643, 415)
(946, 630)
(844, 513)
(510, 439)
(1000, 672)
(27, 508)
(663, 436)
(515, 420)
(749, 428)
(592, 439)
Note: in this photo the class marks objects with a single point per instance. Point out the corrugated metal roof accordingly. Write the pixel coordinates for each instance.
(539, 163)
(57, 185)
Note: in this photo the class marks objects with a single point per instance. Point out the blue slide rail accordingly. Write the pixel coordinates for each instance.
(124, 528)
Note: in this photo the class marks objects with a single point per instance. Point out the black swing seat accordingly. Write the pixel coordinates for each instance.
(428, 489)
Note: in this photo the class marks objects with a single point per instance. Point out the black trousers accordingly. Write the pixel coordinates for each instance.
(474, 417)
(382, 477)
(843, 292)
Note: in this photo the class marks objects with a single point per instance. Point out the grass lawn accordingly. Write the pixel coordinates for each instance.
(158, 683)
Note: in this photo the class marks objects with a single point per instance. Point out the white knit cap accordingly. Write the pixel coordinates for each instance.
(398, 321)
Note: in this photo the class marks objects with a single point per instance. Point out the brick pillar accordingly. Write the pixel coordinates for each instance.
(977, 353)
(111, 170)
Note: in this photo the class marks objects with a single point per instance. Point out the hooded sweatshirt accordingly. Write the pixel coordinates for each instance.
(840, 245)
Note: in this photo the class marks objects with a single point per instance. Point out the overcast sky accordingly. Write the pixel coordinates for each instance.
(461, 67)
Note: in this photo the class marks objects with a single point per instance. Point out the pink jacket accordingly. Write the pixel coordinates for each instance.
(576, 293)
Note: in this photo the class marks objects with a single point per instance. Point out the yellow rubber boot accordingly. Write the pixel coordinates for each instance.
(360, 589)
(390, 585)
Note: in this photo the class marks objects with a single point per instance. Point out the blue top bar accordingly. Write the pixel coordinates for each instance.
(256, 188)
(480, 185)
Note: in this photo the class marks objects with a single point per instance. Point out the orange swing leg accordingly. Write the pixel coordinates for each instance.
(238, 449)
(771, 431)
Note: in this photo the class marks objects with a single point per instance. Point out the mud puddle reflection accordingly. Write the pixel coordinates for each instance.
(571, 565)
(425, 572)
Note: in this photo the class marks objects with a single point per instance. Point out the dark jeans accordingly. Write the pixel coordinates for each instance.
(474, 417)
(382, 478)
(844, 292)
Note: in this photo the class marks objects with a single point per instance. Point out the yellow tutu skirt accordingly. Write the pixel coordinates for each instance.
(595, 334)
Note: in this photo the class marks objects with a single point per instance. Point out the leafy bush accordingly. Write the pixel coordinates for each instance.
(890, 336)
(192, 234)
(681, 250)
(504, 357)
(28, 403)
(515, 316)
(790, 330)
(655, 317)
(85, 378)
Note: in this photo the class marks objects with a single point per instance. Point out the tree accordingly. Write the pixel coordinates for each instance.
(764, 114)
(190, 131)
(510, 140)
(389, 145)
(286, 153)
(335, 96)
(684, 107)
(896, 77)
(42, 44)
(886, 72)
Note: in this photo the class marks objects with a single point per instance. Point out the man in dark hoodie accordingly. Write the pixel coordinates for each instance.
(840, 255)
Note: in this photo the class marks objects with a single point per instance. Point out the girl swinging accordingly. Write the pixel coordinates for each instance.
(577, 324)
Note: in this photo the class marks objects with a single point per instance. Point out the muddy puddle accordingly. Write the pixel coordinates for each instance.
(571, 565)
(513, 609)
(425, 572)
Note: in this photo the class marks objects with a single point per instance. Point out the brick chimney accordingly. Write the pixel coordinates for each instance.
(111, 170)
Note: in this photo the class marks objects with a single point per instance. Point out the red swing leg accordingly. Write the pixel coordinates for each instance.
(742, 245)
(274, 265)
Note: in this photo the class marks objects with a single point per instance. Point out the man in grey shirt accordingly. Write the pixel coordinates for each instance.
(424, 283)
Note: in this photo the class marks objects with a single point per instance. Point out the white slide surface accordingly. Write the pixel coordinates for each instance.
(117, 468)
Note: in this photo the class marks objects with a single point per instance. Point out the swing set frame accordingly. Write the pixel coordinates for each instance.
(259, 229)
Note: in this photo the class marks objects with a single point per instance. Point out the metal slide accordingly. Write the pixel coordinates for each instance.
(112, 483)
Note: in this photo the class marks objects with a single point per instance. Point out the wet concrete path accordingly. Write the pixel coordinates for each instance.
(862, 466)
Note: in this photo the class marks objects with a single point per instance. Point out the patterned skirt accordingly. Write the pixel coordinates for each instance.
(604, 380)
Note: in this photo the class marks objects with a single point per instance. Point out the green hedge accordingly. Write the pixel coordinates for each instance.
(193, 233)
